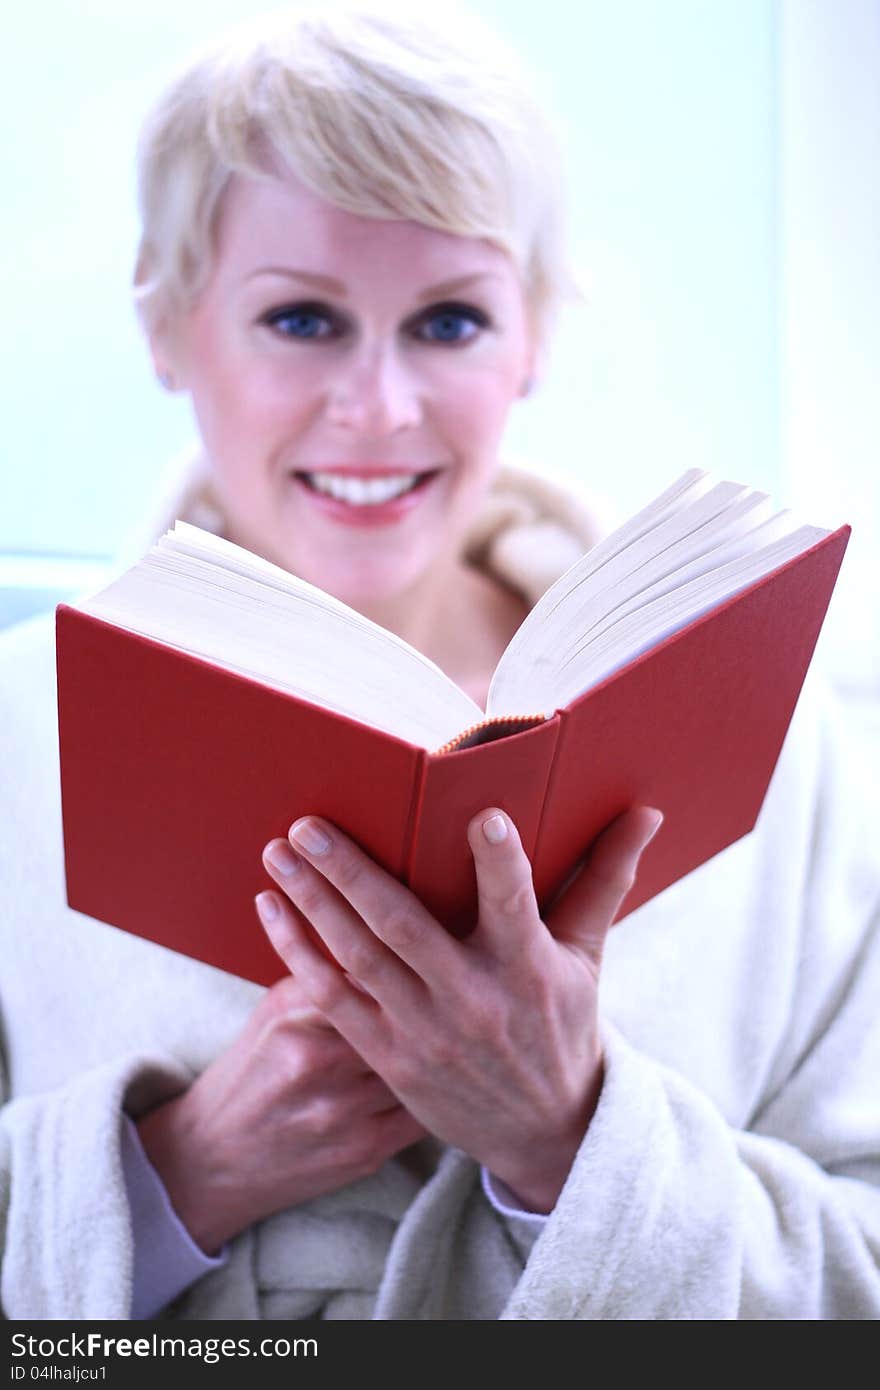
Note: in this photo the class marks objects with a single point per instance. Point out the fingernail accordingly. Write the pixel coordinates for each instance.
(310, 837)
(282, 858)
(495, 829)
(267, 907)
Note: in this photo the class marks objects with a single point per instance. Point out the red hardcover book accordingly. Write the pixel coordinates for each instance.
(176, 772)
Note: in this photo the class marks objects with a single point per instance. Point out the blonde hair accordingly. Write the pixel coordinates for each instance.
(383, 114)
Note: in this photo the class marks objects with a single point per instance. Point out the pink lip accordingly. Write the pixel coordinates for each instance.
(381, 514)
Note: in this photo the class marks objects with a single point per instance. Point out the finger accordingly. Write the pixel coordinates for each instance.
(396, 1129)
(364, 958)
(585, 911)
(353, 1014)
(287, 1005)
(369, 1095)
(393, 914)
(508, 910)
(288, 1002)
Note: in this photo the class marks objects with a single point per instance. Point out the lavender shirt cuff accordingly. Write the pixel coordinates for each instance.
(504, 1201)
(166, 1258)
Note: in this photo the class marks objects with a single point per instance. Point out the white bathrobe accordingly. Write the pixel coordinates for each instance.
(732, 1169)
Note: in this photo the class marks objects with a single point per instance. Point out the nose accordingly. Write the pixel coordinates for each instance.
(374, 393)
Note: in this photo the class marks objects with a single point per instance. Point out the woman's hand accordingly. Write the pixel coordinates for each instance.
(288, 1112)
(492, 1042)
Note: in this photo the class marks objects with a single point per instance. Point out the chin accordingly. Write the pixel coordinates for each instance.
(361, 575)
(361, 584)
(371, 591)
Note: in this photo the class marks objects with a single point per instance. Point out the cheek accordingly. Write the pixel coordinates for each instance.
(246, 411)
(475, 406)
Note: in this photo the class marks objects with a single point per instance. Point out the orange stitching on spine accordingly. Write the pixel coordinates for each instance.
(487, 724)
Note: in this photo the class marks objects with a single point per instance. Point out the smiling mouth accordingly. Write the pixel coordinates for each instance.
(365, 492)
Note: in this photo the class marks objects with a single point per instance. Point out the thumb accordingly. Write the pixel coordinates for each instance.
(583, 913)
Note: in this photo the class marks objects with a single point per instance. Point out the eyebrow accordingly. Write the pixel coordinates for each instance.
(331, 286)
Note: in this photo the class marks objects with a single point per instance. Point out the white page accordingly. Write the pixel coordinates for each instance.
(276, 632)
(646, 628)
(676, 559)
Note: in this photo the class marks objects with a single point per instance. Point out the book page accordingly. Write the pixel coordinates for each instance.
(647, 627)
(206, 596)
(695, 547)
(540, 626)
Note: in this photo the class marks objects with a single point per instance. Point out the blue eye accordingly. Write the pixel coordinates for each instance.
(453, 323)
(306, 321)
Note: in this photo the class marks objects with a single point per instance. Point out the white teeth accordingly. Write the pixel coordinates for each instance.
(363, 492)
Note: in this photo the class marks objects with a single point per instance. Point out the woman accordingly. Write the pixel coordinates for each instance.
(350, 261)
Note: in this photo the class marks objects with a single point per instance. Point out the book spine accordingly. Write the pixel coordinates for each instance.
(510, 773)
(413, 816)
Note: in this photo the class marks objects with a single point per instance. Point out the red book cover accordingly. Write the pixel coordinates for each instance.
(175, 772)
(695, 727)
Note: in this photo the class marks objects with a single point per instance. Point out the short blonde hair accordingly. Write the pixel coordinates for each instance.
(381, 113)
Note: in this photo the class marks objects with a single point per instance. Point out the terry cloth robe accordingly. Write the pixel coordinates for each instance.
(731, 1169)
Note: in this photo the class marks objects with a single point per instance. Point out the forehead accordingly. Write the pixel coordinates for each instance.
(280, 222)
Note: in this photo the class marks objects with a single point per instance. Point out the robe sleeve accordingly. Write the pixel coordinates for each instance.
(669, 1211)
(68, 1251)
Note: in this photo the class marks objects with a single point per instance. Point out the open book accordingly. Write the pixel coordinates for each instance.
(207, 698)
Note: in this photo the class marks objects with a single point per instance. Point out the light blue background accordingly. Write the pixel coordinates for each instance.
(669, 107)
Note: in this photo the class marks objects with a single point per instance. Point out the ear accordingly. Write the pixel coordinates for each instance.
(162, 330)
(534, 368)
(164, 339)
(538, 332)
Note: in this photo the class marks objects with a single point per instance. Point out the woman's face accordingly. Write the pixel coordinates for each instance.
(336, 354)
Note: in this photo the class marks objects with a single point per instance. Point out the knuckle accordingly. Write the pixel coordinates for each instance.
(311, 898)
(490, 1021)
(294, 1055)
(286, 994)
(290, 1005)
(364, 961)
(275, 1003)
(521, 902)
(513, 903)
(441, 1051)
(542, 997)
(349, 872)
(291, 1028)
(327, 993)
(320, 1117)
(402, 929)
(272, 1035)
(283, 1052)
(306, 1052)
